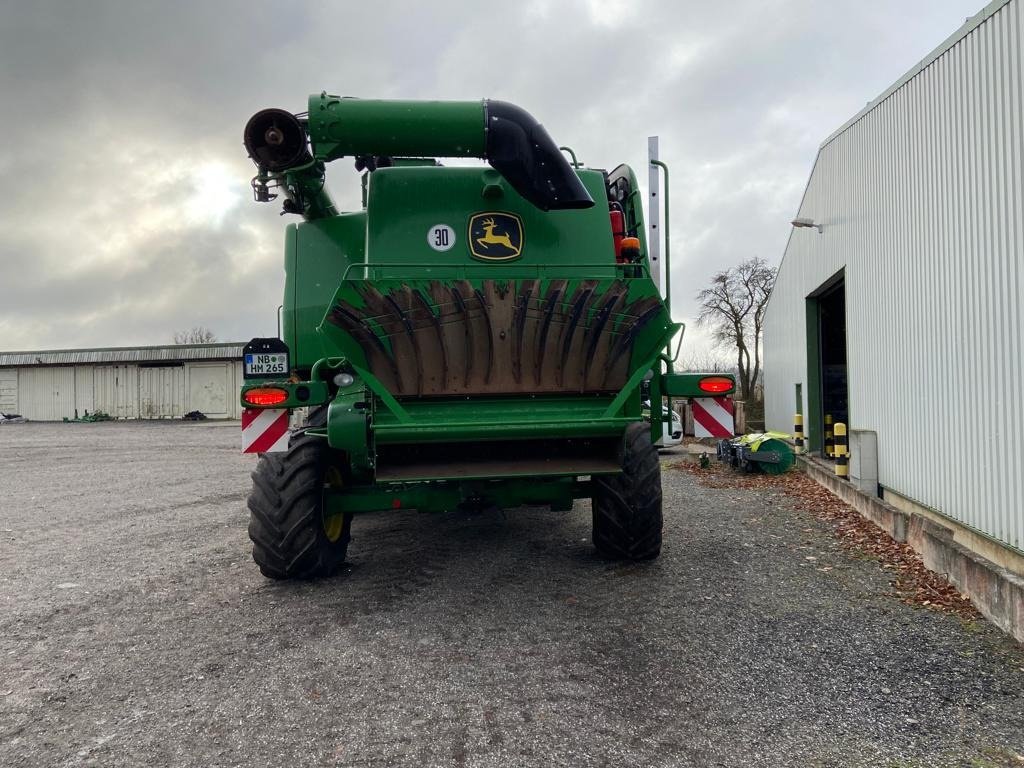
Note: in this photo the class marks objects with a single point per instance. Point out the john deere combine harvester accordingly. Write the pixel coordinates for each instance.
(473, 337)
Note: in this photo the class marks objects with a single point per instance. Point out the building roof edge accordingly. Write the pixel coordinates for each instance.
(968, 26)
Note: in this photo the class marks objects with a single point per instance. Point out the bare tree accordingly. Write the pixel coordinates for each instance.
(733, 309)
(198, 335)
(706, 361)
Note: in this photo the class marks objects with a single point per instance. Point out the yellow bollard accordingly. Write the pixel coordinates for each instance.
(798, 432)
(830, 443)
(842, 453)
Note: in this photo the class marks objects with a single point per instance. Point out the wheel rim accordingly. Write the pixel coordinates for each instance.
(334, 525)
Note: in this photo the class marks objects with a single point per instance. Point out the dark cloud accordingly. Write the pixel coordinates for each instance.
(124, 212)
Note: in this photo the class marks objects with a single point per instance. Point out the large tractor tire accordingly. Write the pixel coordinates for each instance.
(627, 506)
(291, 538)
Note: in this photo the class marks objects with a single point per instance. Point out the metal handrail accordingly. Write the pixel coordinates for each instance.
(668, 232)
(679, 346)
(461, 268)
(575, 163)
(670, 362)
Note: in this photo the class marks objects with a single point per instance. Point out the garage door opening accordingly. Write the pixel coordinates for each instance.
(826, 359)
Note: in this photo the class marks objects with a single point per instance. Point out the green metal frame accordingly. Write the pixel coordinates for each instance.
(813, 421)
(688, 385)
(446, 496)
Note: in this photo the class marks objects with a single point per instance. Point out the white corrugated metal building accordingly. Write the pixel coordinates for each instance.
(903, 315)
(125, 382)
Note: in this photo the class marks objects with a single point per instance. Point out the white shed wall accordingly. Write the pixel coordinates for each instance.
(922, 201)
(52, 393)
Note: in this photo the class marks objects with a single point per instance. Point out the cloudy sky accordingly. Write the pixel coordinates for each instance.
(125, 210)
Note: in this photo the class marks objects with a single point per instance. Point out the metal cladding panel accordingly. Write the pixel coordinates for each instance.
(83, 389)
(9, 391)
(162, 392)
(116, 390)
(46, 394)
(922, 202)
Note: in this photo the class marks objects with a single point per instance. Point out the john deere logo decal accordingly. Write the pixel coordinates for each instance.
(495, 236)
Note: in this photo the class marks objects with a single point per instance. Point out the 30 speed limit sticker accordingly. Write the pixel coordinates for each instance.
(441, 237)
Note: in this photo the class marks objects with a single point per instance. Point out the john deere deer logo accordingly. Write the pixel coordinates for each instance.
(495, 236)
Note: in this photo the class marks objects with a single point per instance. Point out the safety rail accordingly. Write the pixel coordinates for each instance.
(637, 270)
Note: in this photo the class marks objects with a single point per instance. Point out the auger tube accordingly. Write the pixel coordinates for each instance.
(508, 137)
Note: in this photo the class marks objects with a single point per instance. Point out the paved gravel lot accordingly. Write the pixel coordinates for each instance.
(134, 630)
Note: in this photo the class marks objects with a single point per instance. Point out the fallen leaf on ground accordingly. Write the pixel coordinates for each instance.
(912, 584)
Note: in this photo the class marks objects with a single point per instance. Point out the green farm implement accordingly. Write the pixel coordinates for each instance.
(768, 452)
(471, 337)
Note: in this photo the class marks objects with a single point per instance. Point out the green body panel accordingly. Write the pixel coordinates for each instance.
(485, 419)
(317, 254)
(348, 420)
(405, 203)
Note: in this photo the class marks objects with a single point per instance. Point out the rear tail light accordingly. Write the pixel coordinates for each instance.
(715, 384)
(264, 396)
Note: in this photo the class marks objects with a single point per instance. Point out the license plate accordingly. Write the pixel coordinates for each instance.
(266, 364)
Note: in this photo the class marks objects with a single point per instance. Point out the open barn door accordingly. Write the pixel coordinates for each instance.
(828, 395)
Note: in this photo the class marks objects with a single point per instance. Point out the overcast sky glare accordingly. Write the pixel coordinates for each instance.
(125, 209)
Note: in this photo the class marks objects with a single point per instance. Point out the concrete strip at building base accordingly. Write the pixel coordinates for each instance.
(995, 591)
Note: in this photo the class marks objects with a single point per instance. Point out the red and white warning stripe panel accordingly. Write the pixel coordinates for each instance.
(713, 417)
(264, 430)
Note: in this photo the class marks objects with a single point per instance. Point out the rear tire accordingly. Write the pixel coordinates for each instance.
(291, 539)
(627, 506)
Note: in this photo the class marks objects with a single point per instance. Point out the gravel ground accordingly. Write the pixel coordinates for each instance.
(135, 630)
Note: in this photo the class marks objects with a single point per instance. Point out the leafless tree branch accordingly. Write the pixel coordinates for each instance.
(198, 335)
(732, 308)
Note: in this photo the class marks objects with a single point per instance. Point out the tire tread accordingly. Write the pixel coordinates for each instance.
(627, 507)
(285, 524)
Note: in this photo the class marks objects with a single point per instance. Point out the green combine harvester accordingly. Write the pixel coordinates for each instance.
(474, 337)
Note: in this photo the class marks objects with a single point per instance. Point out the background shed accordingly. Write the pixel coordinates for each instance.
(126, 382)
